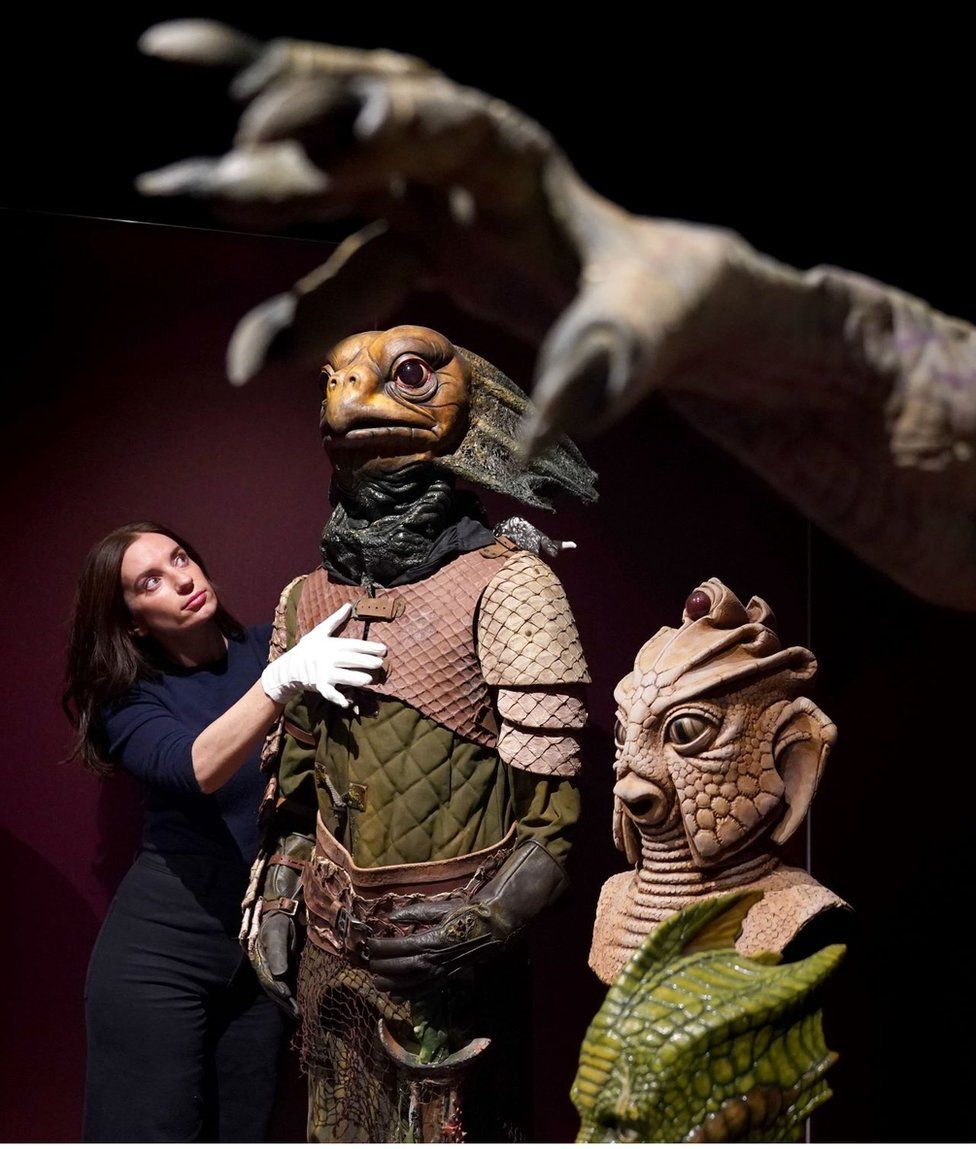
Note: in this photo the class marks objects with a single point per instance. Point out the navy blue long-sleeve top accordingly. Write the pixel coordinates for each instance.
(151, 729)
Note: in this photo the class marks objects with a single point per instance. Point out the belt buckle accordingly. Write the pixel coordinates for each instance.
(346, 924)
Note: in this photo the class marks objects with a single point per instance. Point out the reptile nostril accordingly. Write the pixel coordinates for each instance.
(642, 807)
(646, 802)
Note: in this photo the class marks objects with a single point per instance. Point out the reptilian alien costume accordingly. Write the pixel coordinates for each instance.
(704, 1035)
(719, 755)
(696, 1042)
(425, 826)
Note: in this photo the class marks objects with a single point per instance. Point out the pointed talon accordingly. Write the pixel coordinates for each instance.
(535, 435)
(188, 177)
(255, 334)
(376, 110)
(204, 42)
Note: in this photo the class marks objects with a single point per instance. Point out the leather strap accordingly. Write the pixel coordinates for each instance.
(282, 905)
(301, 736)
(347, 904)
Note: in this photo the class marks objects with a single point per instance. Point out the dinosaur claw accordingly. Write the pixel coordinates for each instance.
(188, 177)
(201, 42)
(577, 386)
(254, 335)
(271, 173)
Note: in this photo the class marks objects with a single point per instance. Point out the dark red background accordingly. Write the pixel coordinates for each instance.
(117, 409)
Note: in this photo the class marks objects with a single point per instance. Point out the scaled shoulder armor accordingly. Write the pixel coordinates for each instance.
(527, 635)
(282, 627)
(283, 630)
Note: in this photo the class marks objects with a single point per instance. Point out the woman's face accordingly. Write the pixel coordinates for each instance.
(167, 593)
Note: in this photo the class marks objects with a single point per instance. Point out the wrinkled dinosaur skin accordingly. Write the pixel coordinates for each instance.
(391, 398)
(408, 397)
(696, 1043)
(854, 400)
(718, 758)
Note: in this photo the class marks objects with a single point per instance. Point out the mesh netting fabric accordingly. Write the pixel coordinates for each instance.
(356, 1091)
(352, 1083)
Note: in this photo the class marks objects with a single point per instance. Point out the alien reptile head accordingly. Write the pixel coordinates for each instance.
(712, 732)
(695, 1042)
(408, 395)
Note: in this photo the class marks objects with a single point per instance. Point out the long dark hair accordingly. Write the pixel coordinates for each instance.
(105, 658)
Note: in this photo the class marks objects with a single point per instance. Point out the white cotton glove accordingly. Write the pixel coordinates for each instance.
(321, 662)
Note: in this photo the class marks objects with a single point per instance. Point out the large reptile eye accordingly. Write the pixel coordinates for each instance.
(412, 378)
(691, 731)
(619, 732)
(411, 372)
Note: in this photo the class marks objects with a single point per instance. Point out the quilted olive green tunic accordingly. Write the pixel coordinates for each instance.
(394, 786)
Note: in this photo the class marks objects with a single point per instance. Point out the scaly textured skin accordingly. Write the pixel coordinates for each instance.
(541, 752)
(718, 759)
(527, 635)
(540, 729)
(696, 1043)
(553, 708)
(530, 649)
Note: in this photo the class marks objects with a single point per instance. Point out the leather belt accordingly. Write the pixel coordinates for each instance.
(346, 903)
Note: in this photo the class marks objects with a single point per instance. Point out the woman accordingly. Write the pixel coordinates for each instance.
(162, 681)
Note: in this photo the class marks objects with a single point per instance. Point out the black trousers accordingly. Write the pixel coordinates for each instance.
(182, 1043)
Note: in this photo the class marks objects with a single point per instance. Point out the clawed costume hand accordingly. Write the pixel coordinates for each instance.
(464, 933)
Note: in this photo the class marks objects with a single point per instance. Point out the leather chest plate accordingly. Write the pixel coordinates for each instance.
(429, 631)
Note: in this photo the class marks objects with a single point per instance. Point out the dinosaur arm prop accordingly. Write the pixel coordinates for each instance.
(856, 401)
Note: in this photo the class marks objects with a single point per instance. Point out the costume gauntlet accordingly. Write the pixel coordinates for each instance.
(277, 944)
(464, 933)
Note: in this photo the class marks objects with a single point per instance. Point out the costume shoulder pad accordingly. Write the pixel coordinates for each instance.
(526, 631)
(283, 630)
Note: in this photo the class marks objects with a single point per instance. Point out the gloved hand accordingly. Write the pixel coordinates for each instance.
(321, 662)
(275, 950)
(463, 933)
